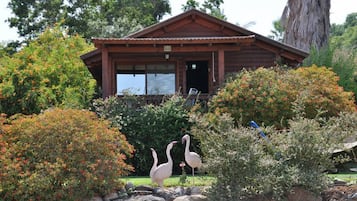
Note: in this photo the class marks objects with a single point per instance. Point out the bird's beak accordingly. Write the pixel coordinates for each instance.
(174, 142)
(183, 140)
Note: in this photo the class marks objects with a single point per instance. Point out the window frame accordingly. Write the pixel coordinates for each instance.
(145, 72)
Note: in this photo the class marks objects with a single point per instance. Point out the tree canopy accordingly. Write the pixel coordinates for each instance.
(86, 17)
(345, 35)
(47, 72)
(211, 7)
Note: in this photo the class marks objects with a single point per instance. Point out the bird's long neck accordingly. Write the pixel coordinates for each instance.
(168, 155)
(187, 148)
(154, 165)
(155, 160)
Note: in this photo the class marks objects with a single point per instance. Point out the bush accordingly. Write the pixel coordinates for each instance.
(148, 126)
(234, 155)
(62, 155)
(261, 95)
(246, 165)
(319, 90)
(342, 60)
(267, 95)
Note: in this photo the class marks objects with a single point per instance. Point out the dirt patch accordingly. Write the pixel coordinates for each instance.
(340, 193)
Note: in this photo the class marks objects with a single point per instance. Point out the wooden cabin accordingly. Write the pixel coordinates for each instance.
(192, 50)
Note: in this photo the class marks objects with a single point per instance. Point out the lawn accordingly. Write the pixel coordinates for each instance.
(350, 178)
(172, 181)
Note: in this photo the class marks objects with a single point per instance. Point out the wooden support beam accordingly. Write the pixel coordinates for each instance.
(220, 67)
(106, 77)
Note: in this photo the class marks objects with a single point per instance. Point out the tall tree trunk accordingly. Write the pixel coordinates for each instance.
(307, 23)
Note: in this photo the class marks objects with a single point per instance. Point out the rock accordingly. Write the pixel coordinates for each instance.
(146, 198)
(167, 194)
(179, 191)
(122, 193)
(112, 196)
(129, 186)
(339, 183)
(191, 198)
(352, 196)
(195, 190)
(144, 188)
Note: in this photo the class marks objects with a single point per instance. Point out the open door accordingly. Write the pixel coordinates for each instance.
(197, 76)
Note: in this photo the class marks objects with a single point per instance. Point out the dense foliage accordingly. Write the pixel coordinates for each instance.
(345, 35)
(246, 165)
(46, 73)
(232, 155)
(148, 126)
(267, 95)
(88, 18)
(61, 155)
(211, 7)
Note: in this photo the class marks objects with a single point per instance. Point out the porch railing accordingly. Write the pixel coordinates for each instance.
(157, 99)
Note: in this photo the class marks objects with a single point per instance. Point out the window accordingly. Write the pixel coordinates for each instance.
(152, 79)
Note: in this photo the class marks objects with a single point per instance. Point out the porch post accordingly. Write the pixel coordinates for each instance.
(220, 67)
(106, 81)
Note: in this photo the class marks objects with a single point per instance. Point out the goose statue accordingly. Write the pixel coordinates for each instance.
(191, 158)
(164, 170)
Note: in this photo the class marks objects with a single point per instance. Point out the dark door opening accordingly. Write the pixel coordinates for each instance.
(197, 76)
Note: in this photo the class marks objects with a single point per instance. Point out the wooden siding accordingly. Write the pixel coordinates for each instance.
(196, 30)
(248, 57)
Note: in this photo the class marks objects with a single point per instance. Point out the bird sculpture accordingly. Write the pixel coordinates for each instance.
(163, 171)
(191, 158)
(154, 165)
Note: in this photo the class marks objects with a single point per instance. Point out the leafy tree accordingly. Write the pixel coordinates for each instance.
(32, 17)
(9, 48)
(278, 32)
(46, 73)
(345, 35)
(211, 7)
(190, 4)
(339, 29)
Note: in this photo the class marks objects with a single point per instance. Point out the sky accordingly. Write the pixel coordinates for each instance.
(242, 12)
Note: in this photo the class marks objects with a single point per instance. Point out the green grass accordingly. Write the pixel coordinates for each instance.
(172, 181)
(350, 178)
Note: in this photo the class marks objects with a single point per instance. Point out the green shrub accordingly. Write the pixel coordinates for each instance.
(148, 126)
(233, 155)
(62, 155)
(246, 165)
(267, 95)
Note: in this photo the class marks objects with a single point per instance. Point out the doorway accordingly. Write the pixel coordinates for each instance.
(197, 76)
